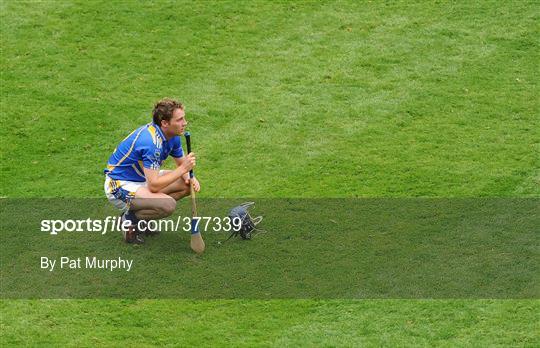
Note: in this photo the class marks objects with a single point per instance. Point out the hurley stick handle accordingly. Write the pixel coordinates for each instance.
(192, 191)
(188, 144)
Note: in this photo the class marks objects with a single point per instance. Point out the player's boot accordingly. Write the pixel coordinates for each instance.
(131, 234)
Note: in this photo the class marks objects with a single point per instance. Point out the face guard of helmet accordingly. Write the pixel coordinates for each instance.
(248, 223)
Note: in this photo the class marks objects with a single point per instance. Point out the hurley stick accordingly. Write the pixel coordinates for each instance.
(197, 243)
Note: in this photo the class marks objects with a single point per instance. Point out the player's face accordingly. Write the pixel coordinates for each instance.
(178, 122)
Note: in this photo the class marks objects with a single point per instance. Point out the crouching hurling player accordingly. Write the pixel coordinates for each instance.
(134, 182)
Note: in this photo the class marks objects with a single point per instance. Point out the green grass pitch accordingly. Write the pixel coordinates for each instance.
(306, 99)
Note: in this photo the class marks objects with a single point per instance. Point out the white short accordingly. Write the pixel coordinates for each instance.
(121, 192)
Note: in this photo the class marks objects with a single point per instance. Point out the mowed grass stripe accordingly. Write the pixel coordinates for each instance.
(271, 323)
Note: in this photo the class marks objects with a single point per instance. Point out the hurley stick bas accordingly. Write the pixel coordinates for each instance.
(197, 243)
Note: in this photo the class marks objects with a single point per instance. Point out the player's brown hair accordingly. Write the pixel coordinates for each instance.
(164, 109)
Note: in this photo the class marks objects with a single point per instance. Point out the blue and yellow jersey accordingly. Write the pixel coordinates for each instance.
(145, 147)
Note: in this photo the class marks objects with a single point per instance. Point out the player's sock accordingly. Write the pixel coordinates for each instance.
(130, 215)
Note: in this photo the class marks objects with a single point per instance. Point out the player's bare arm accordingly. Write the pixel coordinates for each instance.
(156, 183)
